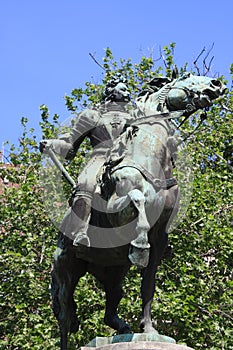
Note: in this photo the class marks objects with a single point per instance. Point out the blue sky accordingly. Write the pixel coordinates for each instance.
(45, 46)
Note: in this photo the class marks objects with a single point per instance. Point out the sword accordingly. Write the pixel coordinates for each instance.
(60, 167)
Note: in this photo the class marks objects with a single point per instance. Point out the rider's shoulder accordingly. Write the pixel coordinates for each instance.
(89, 115)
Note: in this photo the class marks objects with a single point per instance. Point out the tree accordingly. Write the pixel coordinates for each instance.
(194, 289)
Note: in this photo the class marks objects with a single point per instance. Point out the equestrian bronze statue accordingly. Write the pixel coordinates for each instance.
(126, 196)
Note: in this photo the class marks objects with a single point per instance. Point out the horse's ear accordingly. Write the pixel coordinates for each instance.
(175, 73)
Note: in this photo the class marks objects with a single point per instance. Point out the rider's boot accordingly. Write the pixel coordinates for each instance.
(82, 210)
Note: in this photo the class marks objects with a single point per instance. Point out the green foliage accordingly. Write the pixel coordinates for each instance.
(169, 53)
(193, 299)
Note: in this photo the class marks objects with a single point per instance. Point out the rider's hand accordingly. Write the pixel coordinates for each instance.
(60, 147)
(45, 144)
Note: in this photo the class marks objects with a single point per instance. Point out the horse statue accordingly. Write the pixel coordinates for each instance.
(137, 200)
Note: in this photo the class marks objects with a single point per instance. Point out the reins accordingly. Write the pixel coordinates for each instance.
(203, 117)
(168, 116)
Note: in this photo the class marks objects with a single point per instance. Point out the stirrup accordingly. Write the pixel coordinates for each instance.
(81, 238)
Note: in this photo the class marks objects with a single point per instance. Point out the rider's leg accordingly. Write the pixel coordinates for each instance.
(82, 212)
(76, 220)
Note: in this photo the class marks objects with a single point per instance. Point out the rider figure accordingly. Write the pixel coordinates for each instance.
(102, 126)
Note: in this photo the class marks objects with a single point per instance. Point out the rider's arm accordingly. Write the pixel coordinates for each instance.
(67, 145)
(81, 128)
(85, 123)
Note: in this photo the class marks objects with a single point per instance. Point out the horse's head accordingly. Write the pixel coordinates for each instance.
(190, 92)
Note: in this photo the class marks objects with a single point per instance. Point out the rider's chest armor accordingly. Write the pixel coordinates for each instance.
(110, 126)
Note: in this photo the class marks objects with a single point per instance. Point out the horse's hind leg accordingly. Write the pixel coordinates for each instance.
(112, 284)
(148, 280)
(65, 275)
(147, 293)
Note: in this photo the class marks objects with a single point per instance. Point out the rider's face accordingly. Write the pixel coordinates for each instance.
(121, 93)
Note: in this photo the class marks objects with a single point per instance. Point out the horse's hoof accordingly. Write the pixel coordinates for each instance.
(150, 329)
(125, 330)
(81, 239)
(118, 324)
(139, 257)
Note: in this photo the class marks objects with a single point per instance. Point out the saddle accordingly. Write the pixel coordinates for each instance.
(105, 179)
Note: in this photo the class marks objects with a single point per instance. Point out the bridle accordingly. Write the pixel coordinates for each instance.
(190, 107)
(163, 98)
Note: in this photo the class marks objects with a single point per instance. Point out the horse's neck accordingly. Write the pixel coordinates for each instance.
(149, 147)
(151, 103)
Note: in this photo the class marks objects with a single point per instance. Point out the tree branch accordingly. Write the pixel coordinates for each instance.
(163, 58)
(204, 61)
(94, 59)
(195, 62)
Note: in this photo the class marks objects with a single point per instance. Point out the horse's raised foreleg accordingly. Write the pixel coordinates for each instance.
(140, 247)
(113, 289)
(65, 276)
(143, 226)
(129, 206)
